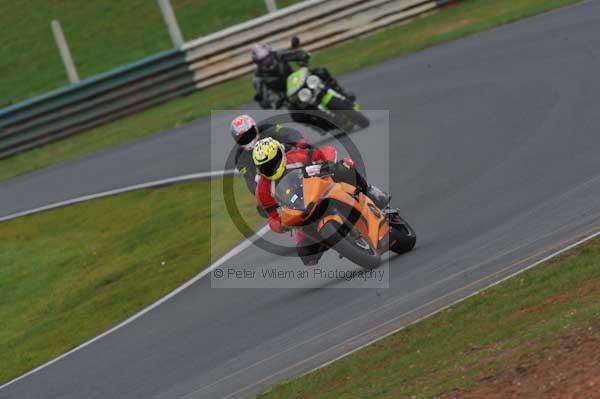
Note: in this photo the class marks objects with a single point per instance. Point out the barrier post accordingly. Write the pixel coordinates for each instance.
(271, 6)
(171, 22)
(65, 53)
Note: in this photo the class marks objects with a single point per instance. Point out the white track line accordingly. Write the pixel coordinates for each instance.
(349, 340)
(156, 183)
(235, 251)
(242, 246)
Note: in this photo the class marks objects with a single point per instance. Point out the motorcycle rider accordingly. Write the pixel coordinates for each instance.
(272, 163)
(246, 132)
(270, 78)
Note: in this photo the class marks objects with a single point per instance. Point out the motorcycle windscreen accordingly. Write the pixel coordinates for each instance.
(289, 192)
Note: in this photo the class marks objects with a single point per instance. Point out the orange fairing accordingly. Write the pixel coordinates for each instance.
(371, 222)
(292, 217)
(313, 187)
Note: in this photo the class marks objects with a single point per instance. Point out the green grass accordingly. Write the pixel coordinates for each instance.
(68, 274)
(468, 17)
(102, 34)
(470, 341)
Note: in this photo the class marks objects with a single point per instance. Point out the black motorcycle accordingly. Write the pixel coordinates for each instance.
(306, 91)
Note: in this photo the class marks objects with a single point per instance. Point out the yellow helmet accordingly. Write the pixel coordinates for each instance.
(269, 157)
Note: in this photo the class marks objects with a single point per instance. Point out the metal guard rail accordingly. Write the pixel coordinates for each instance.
(198, 64)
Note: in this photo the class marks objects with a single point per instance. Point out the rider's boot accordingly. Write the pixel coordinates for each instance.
(310, 253)
(378, 196)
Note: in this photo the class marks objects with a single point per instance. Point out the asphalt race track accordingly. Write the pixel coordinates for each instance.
(495, 159)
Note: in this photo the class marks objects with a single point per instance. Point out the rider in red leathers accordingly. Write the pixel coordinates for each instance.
(272, 162)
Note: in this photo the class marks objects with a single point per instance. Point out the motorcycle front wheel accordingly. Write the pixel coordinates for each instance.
(351, 245)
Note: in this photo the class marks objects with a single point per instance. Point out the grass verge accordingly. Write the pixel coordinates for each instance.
(468, 17)
(478, 340)
(71, 273)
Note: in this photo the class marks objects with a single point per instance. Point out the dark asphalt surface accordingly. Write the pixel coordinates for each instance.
(495, 159)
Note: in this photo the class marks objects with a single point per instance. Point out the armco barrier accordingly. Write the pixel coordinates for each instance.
(94, 101)
(198, 64)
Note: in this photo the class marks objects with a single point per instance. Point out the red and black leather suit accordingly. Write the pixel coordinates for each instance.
(308, 250)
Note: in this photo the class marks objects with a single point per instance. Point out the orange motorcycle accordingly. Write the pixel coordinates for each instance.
(343, 218)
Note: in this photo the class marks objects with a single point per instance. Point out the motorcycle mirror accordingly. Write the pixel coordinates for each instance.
(295, 42)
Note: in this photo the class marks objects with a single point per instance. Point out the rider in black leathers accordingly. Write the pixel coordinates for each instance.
(270, 79)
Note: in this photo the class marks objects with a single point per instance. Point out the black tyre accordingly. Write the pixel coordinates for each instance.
(351, 246)
(359, 119)
(348, 114)
(320, 124)
(402, 236)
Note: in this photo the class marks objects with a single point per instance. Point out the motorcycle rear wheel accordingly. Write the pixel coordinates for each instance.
(402, 236)
(348, 112)
(359, 119)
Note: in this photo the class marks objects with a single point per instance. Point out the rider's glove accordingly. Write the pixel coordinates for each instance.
(305, 57)
(347, 163)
